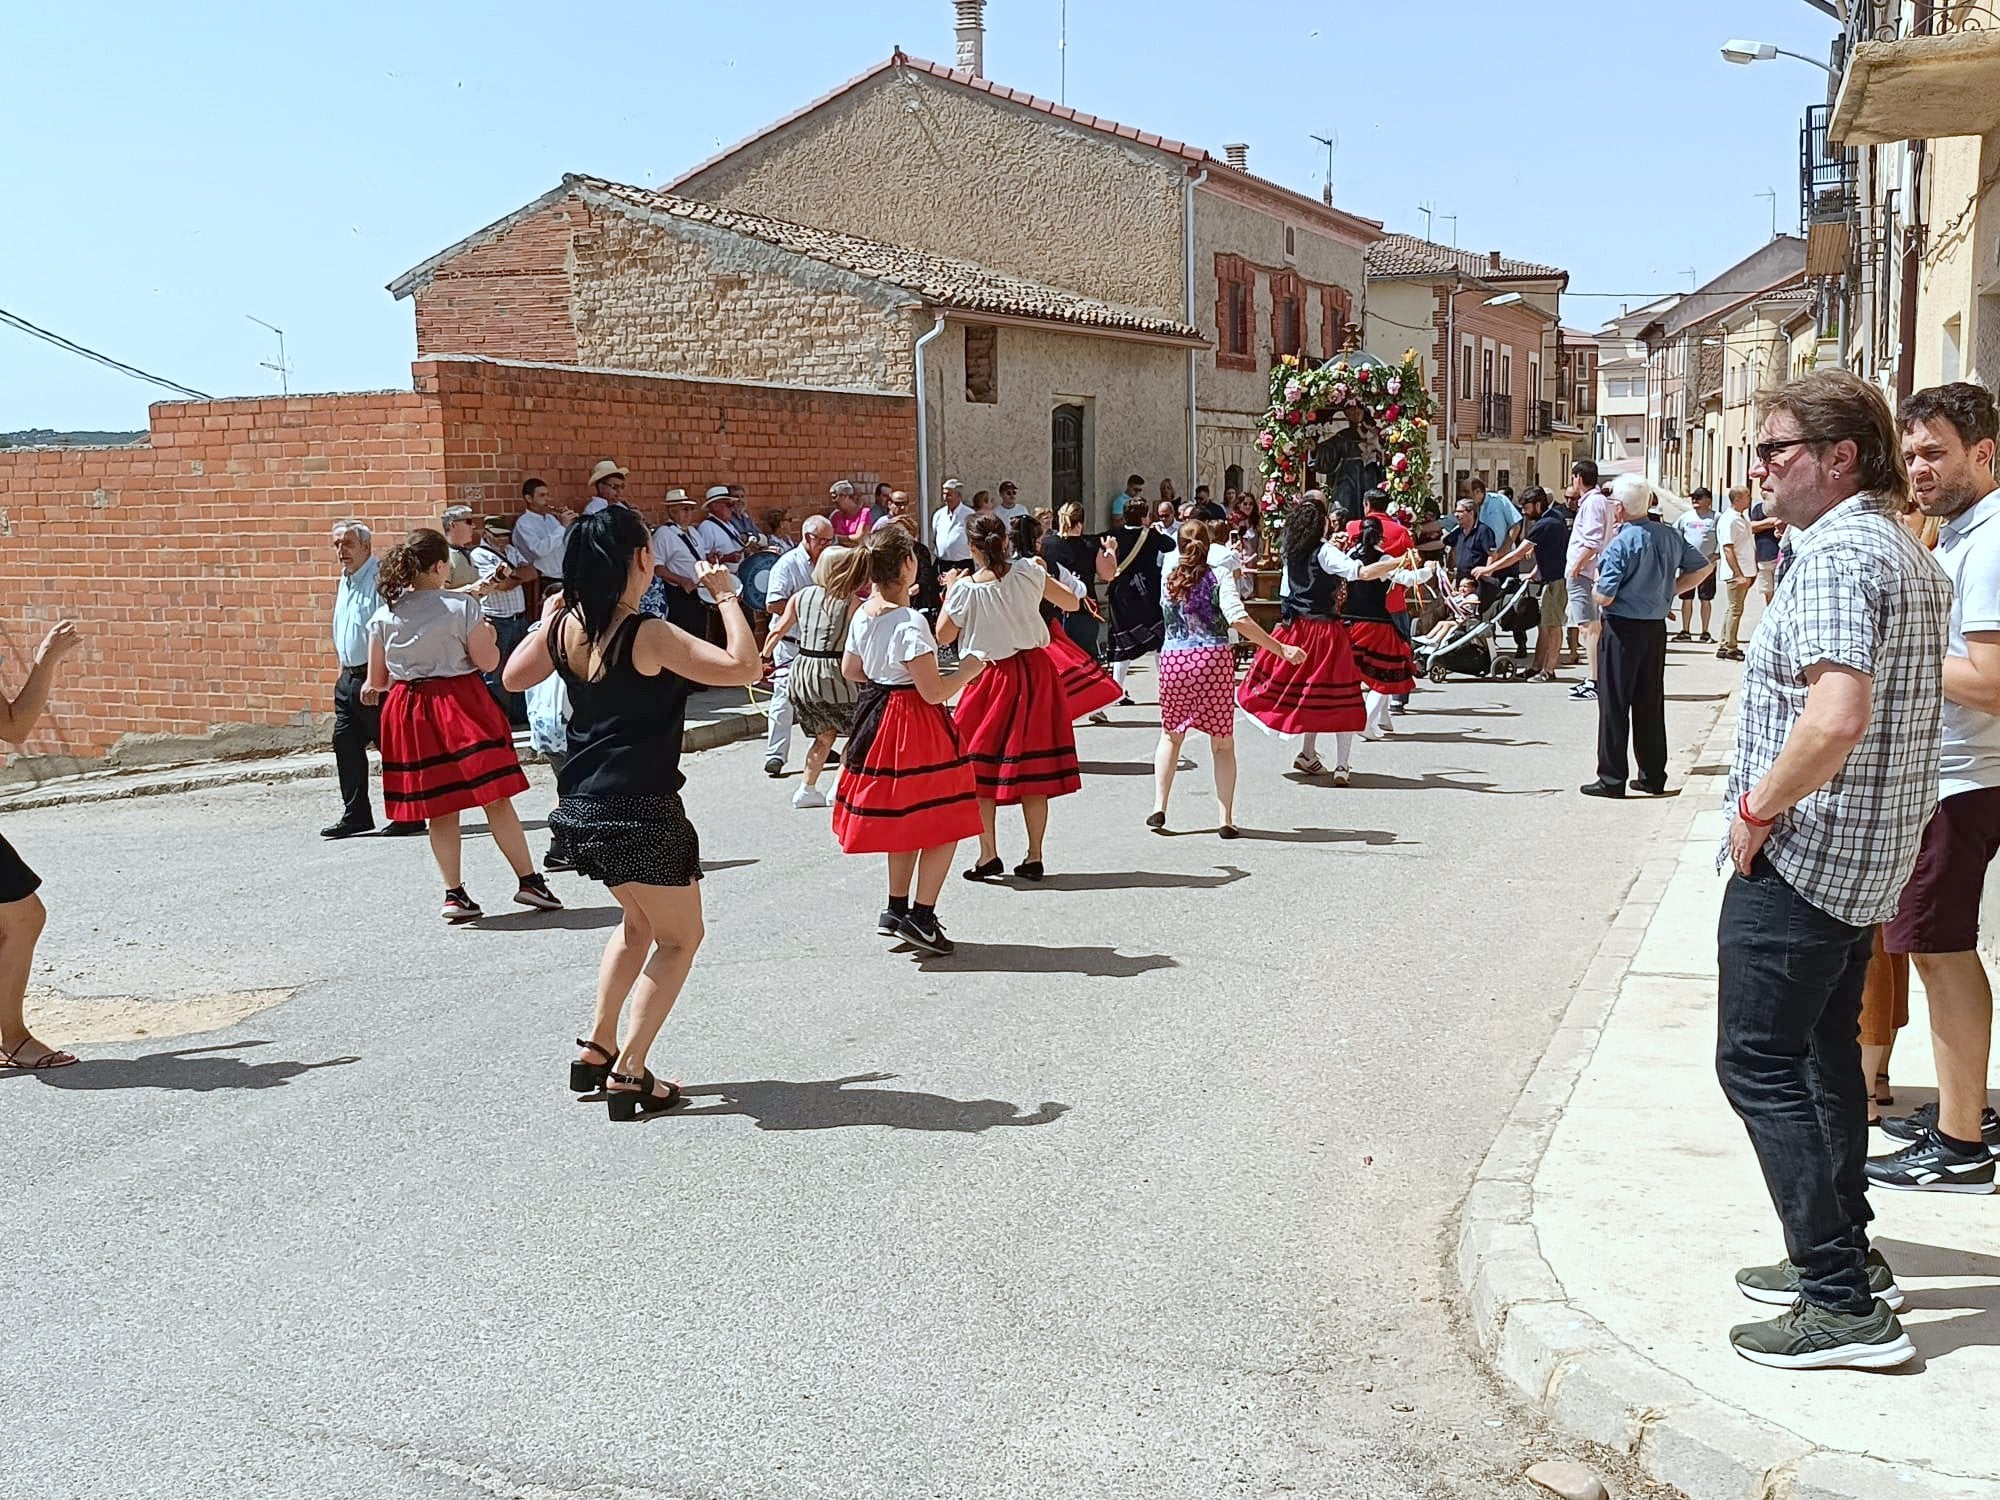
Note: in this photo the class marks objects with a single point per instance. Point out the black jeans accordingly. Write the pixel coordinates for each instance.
(510, 631)
(1788, 1053)
(1632, 700)
(356, 726)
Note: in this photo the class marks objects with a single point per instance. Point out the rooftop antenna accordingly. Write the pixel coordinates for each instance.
(1454, 228)
(1772, 194)
(1062, 54)
(1326, 193)
(284, 370)
(1425, 210)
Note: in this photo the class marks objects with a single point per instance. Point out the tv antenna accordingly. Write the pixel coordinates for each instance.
(1330, 142)
(283, 369)
(1062, 54)
(1772, 194)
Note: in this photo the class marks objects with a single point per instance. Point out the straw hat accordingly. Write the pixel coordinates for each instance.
(605, 470)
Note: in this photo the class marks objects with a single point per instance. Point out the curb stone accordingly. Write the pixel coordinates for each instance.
(1588, 1383)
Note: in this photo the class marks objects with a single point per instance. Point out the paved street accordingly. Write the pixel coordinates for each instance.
(1143, 1193)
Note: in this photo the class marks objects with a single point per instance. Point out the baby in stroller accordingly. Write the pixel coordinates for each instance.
(1459, 607)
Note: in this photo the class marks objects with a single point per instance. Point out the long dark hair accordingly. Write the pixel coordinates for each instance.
(403, 564)
(1026, 534)
(1305, 528)
(597, 561)
(1371, 539)
(1193, 564)
(987, 534)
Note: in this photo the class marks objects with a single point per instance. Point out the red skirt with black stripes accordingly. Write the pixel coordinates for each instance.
(1382, 656)
(1086, 686)
(445, 747)
(904, 782)
(1014, 724)
(1322, 695)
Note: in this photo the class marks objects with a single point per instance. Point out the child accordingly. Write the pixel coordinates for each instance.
(906, 788)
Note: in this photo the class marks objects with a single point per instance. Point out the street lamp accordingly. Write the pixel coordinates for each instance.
(1739, 51)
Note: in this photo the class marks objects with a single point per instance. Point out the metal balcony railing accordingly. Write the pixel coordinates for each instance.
(1894, 21)
(1541, 418)
(1496, 415)
(1829, 178)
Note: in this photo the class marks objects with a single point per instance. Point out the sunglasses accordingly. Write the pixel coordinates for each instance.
(1767, 451)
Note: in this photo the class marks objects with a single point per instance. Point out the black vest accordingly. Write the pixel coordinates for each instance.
(1309, 589)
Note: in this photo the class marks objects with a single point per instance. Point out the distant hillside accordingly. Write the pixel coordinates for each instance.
(48, 437)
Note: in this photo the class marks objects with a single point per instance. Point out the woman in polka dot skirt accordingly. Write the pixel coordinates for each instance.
(1198, 671)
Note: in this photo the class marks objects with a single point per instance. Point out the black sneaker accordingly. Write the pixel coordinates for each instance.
(1810, 1337)
(885, 925)
(558, 861)
(775, 766)
(346, 830)
(1584, 692)
(1915, 1126)
(1928, 1165)
(1779, 1284)
(459, 907)
(535, 892)
(925, 934)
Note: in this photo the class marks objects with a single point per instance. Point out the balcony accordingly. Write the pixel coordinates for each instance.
(1496, 416)
(1541, 419)
(1920, 72)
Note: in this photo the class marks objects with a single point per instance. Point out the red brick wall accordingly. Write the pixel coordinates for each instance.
(509, 298)
(201, 569)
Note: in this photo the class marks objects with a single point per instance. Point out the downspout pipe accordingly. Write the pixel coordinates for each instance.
(924, 491)
(1190, 184)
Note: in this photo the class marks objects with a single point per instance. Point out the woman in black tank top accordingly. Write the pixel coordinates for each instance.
(621, 817)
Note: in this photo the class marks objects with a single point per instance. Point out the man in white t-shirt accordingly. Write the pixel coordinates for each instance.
(607, 487)
(1009, 509)
(1736, 548)
(1698, 525)
(1949, 436)
(948, 543)
(542, 530)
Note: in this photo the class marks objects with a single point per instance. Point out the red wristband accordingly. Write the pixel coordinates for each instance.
(1743, 812)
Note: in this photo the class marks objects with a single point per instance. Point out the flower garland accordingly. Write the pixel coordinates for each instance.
(1309, 405)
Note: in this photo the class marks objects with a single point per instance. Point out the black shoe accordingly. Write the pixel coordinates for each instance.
(1156, 820)
(1126, 702)
(1029, 869)
(1930, 1166)
(404, 830)
(775, 766)
(993, 869)
(925, 934)
(1228, 831)
(1913, 1127)
(1683, 636)
(637, 1100)
(535, 892)
(1706, 639)
(459, 907)
(1648, 789)
(345, 830)
(558, 861)
(833, 757)
(885, 925)
(1601, 789)
(588, 1077)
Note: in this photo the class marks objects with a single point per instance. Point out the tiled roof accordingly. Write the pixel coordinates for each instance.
(1194, 155)
(1577, 335)
(1406, 255)
(940, 280)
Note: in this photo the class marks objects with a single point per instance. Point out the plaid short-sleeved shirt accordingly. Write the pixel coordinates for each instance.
(1861, 592)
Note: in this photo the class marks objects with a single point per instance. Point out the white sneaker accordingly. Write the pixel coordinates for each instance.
(809, 796)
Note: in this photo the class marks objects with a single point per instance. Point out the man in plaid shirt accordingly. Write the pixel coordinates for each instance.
(1834, 778)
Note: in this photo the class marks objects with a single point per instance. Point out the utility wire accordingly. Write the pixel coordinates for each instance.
(15, 320)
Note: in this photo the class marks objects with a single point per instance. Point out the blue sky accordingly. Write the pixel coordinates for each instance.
(174, 168)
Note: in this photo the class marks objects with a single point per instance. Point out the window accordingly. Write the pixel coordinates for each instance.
(1534, 377)
(1465, 368)
(1235, 313)
(1614, 387)
(1288, 313)
(1291, 244)
(1232, 477)
(1639, 384)
(982, 365)
(1506, 481)
(1486, 370)
(1335, 308)
(1506, 372)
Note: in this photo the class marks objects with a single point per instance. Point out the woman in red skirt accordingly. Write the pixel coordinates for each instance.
(1014, 722)
(1087, 688)
(445, 743)
(1381, 654)
(1322, 694)
(906, 789)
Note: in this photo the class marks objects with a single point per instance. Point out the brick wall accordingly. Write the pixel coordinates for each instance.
(508, 298)
(200, 566)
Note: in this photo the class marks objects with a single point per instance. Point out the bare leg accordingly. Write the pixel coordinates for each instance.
(1961, 1002)
(510, 837)
(1707, 615)
(932, 865)
(1874, 1065)
(1592, 635)
(1166, 760)
(21, 924)
(816, 754)
(989, 838)
(1224, 750)
(674, 914)
(444, 849)
(617, 972)
(1035, 813)
(902, 870)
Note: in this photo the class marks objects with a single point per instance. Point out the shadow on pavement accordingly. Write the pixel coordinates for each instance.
(1030, 958)
(571, 918)
(1374, 837)
(1126, 767)
(188, 1069)
(1696, 697)
(711, 866)
(1133, 880)
(1490, 711)
(832, 1104)
(485, 831)
(1977, 1308)
(1461, 737)
(1438, 781)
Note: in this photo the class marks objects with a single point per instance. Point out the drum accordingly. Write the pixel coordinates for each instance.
(754, 578)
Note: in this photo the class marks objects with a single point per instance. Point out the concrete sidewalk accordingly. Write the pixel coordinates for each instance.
(1600, 1240)
(715, 716)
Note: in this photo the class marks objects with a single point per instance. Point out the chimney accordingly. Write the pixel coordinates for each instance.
(971, 38)
(1492, 260)
(1238, 155)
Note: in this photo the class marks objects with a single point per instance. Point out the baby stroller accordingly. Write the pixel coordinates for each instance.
(1468, 649)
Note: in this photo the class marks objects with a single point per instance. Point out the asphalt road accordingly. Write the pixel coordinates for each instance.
(1142, 1194)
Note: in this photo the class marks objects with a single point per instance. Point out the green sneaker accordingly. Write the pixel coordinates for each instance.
(1779, 1284)
(1810, 1337)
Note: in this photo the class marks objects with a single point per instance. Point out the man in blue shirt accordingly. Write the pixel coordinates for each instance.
(1643, 569)
(356, 725)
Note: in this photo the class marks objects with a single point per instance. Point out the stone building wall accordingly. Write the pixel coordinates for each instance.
(915, 160)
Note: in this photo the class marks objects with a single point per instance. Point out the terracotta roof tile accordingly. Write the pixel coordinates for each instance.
(941, 280)
(1398, 255)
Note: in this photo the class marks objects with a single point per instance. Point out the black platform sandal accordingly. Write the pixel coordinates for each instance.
(588, 1077)
(639, 1101)
(993, 869)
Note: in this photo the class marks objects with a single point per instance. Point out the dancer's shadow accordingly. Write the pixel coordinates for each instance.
(1490, 711)
(832, 1104)
(1696, 697)
(188, 1069)
(1375, 838)
(1134, 880)
(1462, 737)
(1439, 781)
(1127, 767)
(714, 866)
(570, 918)
(1033, 958)
(485, 830)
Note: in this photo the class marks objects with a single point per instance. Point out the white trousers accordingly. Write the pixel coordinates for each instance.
(778, 714)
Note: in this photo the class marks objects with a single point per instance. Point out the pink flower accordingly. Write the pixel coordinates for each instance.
(1266, 441)
(1395, 385)
(1340, 395)
(1293, 391)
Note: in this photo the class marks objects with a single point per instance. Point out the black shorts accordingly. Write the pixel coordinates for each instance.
(17, 881)
(1703, 590)
(1939, 911)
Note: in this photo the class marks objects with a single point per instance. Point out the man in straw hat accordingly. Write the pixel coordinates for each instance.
(607, 486)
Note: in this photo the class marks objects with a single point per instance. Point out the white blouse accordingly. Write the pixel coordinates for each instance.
(887, 643)
(1002, 618)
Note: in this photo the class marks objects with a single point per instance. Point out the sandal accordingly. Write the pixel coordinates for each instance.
(1882, 1094)
(50, 1058)
(588, 1077)
(637, 1100)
